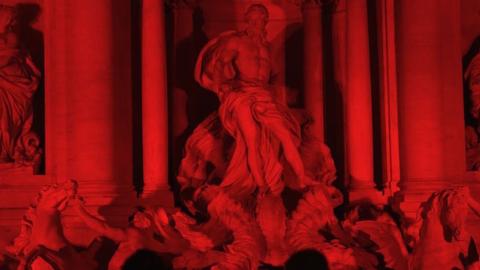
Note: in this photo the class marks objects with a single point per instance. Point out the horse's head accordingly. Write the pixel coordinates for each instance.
(56, 196)
(449, 208)
(454, 212)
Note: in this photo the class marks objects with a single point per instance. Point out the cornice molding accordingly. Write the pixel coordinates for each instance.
(182, 3)
(306, 4)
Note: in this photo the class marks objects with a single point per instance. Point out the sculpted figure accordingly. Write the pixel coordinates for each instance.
(139, 235)
(247, 245)
(439, 233)
(237, 66)
(42, 243)
(19, 79)
(376, 231)
(314, 215)
(253, 146)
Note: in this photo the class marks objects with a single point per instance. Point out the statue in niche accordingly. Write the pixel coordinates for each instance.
(253, 140)
(19, 79)
(376, 231)
(253, 146)
(237, 67)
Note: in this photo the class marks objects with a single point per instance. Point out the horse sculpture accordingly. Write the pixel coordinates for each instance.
(442, 238)
(42, 244)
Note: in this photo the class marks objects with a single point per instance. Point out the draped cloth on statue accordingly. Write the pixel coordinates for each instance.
(236, 98)
(19, 79)
(266, 112)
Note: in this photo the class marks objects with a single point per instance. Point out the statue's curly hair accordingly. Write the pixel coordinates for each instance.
(256, 7)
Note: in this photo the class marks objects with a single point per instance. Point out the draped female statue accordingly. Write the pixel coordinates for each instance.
(19, 79)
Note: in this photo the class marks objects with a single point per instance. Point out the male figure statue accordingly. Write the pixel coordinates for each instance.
(237, 66)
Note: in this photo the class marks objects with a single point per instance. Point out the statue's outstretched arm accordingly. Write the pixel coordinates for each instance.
(97, 224)
(224, 69)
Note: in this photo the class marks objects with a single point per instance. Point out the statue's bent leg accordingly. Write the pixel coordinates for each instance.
(249, 131)
(290, 150)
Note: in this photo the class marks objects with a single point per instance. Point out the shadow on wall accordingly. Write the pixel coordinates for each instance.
(124, 160)
(294, 61)
(334, 103)
(199, 102)
(31, 40)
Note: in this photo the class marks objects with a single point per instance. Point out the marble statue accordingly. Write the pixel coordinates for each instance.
(254, 146)
(439, 234)
(19, 79)
(41, 243)
(256, 181)
(313, 214)
(257, 146)
(437, 238)
(237, 66)
(376, 231)
(139, 235)
(247, 246)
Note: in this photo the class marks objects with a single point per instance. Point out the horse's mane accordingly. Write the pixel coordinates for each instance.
(442, 205)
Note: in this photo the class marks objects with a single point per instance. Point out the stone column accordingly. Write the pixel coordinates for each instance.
(88, 121)
(339, 32)
(154, 100)
(358, 104)
(388, 95)
(88, 97)
(56, 51)
(313, 64)
(431, 127)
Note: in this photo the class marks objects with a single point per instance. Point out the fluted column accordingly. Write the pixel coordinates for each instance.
(431, 128)
(313, 64)
(388, 96)
(339, 35)
(154, 99)
(358, 103)
(88, 96)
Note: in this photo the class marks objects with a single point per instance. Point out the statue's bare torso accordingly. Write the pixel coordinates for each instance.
(250, 57)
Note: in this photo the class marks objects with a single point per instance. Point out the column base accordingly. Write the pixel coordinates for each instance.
(412, 195)
(161, 197)
(366, 194)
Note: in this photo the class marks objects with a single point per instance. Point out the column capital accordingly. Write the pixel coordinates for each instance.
(314, 3)
(182, 3)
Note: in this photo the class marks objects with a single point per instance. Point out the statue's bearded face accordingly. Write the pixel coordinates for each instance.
(257, 19)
